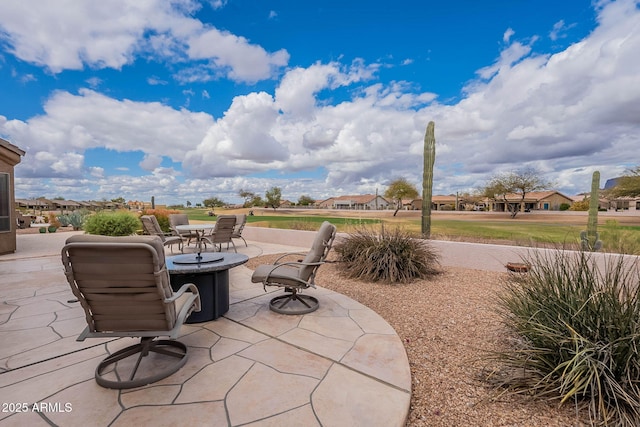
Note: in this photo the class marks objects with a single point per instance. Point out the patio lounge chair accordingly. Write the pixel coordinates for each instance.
(222, 233)
(152, 227)
(124, 289)
(297, 276)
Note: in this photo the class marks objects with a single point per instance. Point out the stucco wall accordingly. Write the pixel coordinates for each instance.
(8, 238)
(10, 156)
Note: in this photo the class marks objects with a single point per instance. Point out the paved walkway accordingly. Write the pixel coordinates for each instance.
(342, 365)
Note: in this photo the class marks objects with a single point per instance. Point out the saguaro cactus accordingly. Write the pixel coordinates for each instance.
(590, 239)
(427, 178)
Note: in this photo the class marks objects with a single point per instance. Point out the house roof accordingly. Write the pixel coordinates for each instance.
(33, 202)
(535, 196)
(451, 198)
(66, 203)
(10, 153)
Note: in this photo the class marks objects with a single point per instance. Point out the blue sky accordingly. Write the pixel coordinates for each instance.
(186, 100)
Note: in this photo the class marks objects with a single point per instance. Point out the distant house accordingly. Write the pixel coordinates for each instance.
(138, 205)
(34, 205)
(65, 205)
(625, 203)
(603, 203)
(536, 200)
(356, 202)
(444, 203)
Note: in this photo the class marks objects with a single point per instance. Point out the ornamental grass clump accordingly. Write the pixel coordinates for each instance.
(577, 333)
(387, 256)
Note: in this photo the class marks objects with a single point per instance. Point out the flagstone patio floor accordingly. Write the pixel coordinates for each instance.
(342, 365)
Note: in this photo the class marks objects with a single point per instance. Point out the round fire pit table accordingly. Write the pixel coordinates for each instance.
(210, 274)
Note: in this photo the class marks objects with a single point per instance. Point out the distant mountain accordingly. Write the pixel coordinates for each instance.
(611, 183)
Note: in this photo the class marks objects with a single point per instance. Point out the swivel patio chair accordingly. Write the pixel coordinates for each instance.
(297, 276)
(123, 286)
(222, 233)
(152, 227)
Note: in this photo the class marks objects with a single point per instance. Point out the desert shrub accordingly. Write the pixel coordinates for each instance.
(577, 329)
(162, 215)
(54, 221)
(386, 256)
(64, 220)
(112, 224)
(75, 219)
(564, 206)
(580, 205)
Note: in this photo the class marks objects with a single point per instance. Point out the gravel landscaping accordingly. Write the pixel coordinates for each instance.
(448, 324)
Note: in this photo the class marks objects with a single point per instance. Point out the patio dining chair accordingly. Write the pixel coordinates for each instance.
(181, 219)
(241, 220)
(123, 286)
(222, 233)
(152, 227)
(296, 276)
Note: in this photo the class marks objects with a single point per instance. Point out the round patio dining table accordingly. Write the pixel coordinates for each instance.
(200, 230)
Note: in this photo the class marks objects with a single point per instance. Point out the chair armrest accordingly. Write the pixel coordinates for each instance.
(191, 304)
(277, 261)
(299, 263)
(184, 288)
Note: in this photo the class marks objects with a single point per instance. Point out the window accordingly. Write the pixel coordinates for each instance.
(5, 203)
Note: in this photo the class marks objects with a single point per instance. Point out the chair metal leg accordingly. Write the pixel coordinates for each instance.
(294, 303)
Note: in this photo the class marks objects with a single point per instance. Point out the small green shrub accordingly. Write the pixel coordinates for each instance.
(112, 224)
(564, 206)
(391, 257)
(577, 333)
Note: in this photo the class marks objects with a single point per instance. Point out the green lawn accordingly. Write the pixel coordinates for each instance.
(518, 232)
(615, 237)
(294, 222)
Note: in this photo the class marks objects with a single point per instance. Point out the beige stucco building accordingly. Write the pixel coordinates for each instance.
(10, 155)
(535, 200)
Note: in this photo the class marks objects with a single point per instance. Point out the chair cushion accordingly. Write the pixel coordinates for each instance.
(282, 275)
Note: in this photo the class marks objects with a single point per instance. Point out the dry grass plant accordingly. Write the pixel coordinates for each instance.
(576, 331)
(390, 256)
